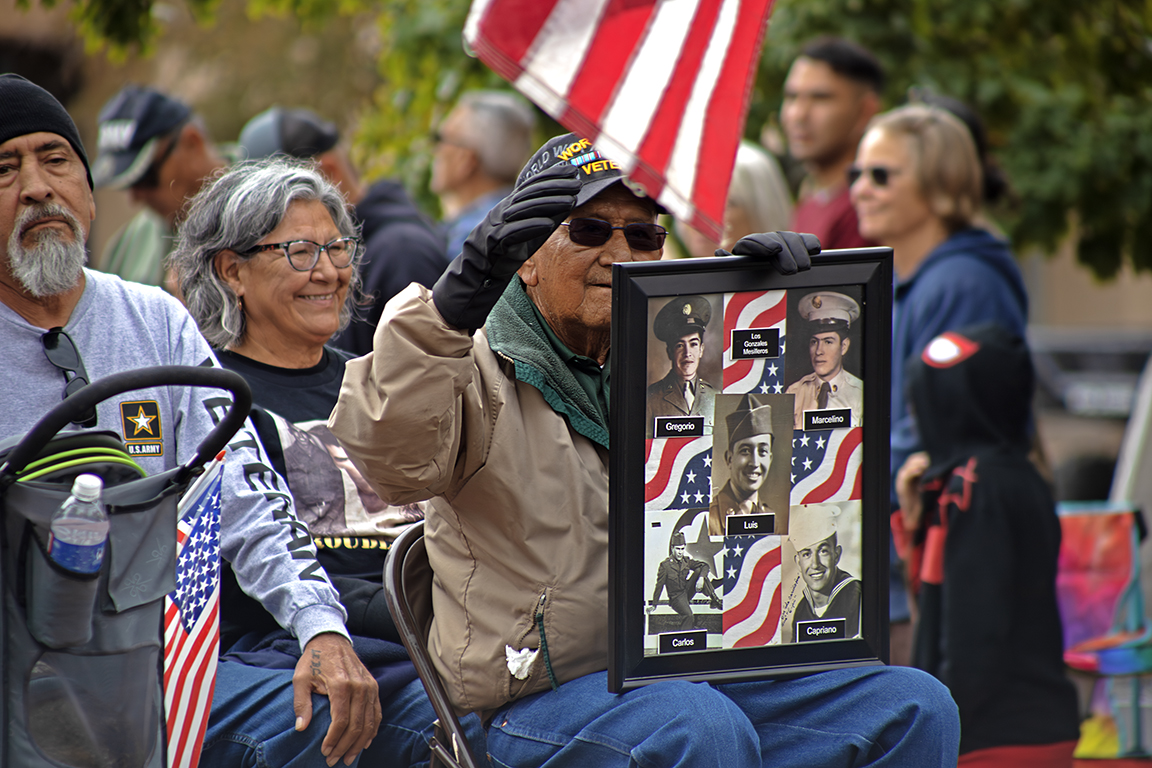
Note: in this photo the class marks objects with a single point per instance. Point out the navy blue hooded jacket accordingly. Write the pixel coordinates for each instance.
(969, 278)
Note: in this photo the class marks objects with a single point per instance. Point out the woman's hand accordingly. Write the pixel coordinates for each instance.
(908, 489)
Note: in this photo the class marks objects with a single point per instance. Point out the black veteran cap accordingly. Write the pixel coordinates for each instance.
(680, 317)
(753, 416)
(828, 311)
(298, 133)
(597, 172)
(132, 124)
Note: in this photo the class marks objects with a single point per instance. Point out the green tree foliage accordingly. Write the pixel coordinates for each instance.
(1065, 89)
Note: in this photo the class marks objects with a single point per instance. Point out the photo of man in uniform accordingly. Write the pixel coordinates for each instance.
(680, 324)
(748, 459)
(828, 317)
(683, 577)
(829, 591)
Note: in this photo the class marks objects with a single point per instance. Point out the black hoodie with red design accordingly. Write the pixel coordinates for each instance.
(984, 555)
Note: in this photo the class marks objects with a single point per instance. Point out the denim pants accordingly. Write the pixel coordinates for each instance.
(878, 716)
(252, 725)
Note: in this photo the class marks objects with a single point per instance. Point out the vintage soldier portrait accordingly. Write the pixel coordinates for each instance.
(821, 348)
(822, 571)
(683, 362)
(751, 454)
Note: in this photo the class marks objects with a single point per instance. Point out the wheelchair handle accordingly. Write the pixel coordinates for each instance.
(100, 390)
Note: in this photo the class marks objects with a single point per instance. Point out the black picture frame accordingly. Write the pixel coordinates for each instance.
(866, 276)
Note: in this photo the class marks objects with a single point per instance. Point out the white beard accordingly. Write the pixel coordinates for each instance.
(54, 263)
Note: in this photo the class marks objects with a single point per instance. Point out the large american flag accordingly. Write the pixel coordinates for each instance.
(677, 473)
(826, 465)
(192, 620)
(660, 86)
(754, 309)
(752, 575)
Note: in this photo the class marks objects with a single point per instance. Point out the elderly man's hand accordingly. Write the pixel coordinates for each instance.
(789, 252)
(330, 667)
(513, 230)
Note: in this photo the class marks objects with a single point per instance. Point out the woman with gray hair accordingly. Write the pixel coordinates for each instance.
(267, 261)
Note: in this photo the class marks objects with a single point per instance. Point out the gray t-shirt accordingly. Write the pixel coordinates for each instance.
(120, 326)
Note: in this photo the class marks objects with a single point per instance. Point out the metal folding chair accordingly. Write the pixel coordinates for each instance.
(408, 590)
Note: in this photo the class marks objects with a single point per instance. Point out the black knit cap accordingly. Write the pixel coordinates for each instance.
(28, 108)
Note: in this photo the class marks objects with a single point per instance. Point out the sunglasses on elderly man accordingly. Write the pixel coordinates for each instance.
(304, 255)
(594, 232)
(879, 174)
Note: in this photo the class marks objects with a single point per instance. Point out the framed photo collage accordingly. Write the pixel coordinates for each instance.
(749, 471)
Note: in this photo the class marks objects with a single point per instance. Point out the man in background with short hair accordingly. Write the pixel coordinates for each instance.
(401, 244)
(831, 92)
(480, 148)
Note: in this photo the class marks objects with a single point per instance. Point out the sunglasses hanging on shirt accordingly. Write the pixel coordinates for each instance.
(61, 352)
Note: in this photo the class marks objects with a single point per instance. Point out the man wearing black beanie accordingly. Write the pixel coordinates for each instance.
(31, 109)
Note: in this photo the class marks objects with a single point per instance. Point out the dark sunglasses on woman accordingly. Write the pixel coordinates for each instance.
(879, 174)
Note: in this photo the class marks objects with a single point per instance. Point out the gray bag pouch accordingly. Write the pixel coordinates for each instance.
(60, 605)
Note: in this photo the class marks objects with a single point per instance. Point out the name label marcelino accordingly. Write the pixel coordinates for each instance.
(678, 426)
(682, 642)
(830, 418)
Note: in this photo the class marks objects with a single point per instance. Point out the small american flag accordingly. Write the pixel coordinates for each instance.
(826, 465)
(752, 575)
(677, 473)
(754, 309)
(660, 86)
(192, 620)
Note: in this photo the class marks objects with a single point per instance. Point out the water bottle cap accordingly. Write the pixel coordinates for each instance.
(87, 487)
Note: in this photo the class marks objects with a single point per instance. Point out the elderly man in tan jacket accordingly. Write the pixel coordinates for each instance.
(489, 396)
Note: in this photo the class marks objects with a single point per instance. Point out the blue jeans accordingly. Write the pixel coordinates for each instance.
(879, 716)
(252, 725)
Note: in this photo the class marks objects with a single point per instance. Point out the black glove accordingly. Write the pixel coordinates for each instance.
(513, 230)
(789, 252)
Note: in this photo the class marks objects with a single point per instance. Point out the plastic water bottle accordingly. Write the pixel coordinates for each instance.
(79, 529)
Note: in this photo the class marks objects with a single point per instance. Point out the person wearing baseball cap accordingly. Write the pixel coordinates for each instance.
(488, 395)
(683, 391)
(829, 591)
(157, 149)
(828, 318)
(400, 244)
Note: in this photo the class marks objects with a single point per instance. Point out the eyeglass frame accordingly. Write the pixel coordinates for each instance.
(319, 249)
(79, 373)
(439, 138)
(879, 175)
(661, 233)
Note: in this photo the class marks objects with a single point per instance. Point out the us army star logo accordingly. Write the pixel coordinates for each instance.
(140, 420)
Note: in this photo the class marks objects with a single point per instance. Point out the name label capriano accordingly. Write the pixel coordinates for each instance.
(823, 629)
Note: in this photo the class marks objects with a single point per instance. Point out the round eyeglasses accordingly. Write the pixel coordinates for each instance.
(304, 255)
